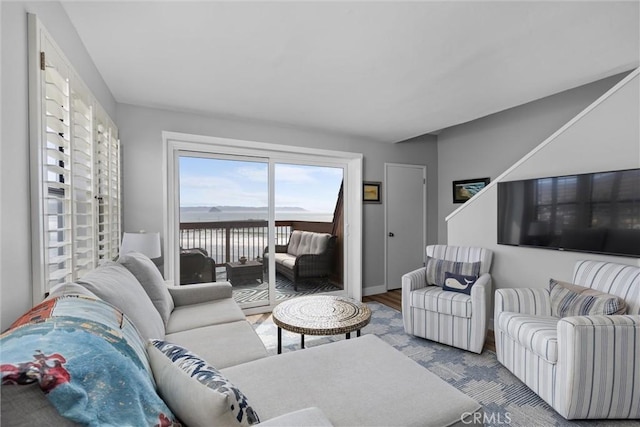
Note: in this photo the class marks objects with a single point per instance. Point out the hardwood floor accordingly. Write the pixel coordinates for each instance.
(393, 299)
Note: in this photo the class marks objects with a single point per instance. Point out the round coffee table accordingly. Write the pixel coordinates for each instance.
(320, 315)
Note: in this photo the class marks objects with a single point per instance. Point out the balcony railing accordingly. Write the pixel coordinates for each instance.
(227, 241)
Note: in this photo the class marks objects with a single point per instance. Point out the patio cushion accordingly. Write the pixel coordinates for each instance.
(434, 298)
(286, 259)
(307, 242)
(536, 333)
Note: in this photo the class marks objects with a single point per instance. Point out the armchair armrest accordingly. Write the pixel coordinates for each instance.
(597, 371)
(411, 281)
(200, 292)
(534, 301)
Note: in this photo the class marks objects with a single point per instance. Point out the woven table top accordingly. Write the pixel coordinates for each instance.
(321, 315)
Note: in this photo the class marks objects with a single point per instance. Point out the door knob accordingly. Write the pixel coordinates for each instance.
(391, 234)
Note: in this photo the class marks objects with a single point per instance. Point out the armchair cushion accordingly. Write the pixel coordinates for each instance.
(458, 283)
(537, 334)
(434, 298)
(436, 269)
(572, 300)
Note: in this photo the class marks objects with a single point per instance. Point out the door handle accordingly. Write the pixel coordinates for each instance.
(391, 234)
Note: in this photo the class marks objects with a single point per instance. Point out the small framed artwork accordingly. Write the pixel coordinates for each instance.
(465, 189)
(371, 192)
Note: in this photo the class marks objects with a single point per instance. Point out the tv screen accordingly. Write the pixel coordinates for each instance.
(592, 212)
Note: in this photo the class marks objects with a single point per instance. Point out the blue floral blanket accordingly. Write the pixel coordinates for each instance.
(89, 360)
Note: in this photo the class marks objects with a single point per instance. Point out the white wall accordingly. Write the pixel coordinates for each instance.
(15, 228)
(606, 138)
(140, 134)
(489, 146)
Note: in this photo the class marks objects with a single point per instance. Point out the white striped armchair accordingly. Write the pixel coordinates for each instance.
(583, 366)
(451, 318)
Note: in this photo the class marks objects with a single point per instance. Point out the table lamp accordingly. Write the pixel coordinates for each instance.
(145, 243)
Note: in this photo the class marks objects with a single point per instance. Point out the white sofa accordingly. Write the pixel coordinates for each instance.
(583, 366)
(361, 381)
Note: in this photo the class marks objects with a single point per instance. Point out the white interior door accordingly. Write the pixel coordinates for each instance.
(405, 220)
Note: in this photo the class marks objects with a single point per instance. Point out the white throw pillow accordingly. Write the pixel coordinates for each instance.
(196, 391)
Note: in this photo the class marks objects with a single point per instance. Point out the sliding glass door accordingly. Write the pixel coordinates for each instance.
(235, 207)
(224, 233)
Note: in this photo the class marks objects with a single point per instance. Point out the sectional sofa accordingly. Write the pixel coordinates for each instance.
(362, 381)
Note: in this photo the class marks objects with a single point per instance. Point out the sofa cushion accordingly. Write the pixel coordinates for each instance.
(307, 242)
(307, 417)
(196, 391)
(69, 289)
(536, 333)
(568, 299)
(115, 284)
(436, 269)
(458, 283)
(204, 314)
(222, 345)
(384, 387)
(151, 280)
(434, 298)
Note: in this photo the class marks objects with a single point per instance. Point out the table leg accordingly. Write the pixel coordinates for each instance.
(358, 333)
(348, 335)
(279, 340)
(301, 340)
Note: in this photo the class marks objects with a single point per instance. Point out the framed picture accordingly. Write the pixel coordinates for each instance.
(467, 188)
(371, 192)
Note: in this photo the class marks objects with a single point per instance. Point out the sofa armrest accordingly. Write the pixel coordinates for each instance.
(308, 417)
(597, 371)
(481, 303)
(200, 292)
(534, 301)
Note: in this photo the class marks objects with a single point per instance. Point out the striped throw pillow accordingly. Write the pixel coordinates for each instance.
(568, 299)
(436, 269)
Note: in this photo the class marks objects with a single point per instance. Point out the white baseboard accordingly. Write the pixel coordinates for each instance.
(374, 290)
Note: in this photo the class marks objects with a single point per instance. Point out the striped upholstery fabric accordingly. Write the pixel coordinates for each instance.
(537, 333)
(595, 372)
(433, 298)
(447, 317)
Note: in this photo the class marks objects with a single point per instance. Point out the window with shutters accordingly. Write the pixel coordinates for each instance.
(75, 167)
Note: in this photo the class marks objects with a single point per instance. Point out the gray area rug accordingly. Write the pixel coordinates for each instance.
(284, 289)
(506, 400)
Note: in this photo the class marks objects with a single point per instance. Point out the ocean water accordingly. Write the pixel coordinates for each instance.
(258, 215)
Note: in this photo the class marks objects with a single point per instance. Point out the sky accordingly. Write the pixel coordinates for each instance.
(214, 182)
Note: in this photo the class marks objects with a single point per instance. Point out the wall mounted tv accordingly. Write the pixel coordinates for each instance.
(592, 212)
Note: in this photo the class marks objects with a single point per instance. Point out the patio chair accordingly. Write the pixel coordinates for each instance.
(196, 266)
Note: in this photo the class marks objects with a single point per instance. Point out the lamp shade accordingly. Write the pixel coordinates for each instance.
(145, 243)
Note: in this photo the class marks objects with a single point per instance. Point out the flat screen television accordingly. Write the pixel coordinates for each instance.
(592, 212)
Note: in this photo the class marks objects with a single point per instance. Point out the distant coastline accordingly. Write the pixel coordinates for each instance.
(239, 213)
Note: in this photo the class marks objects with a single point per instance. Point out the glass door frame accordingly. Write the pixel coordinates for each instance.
(175, 143)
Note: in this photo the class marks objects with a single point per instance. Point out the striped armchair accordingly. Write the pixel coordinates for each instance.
(451, 318)
(583, 366)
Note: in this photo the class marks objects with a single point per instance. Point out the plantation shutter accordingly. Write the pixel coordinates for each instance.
(75, 162)
(83, 182)
(56, 171)
(108, 189)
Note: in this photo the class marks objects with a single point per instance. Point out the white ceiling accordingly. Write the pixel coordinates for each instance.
(385, 71)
